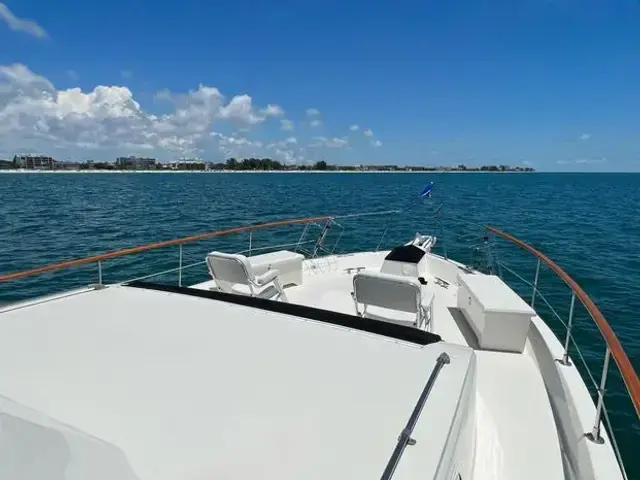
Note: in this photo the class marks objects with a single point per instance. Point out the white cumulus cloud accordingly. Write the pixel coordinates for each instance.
(368, 132)
(334, 142)
(107, 121)
(18, 24)
(286, 124)
(315, 123)
(286, 143)
(34, 112)
(313, 112)
(237, 146)
(354, 128)
(240, 108)
(273, 111)
(337, 142)
(286, 150)
(376, 143)
(287, 156)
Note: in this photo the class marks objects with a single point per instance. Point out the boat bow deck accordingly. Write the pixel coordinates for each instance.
(122, 382)
(227, 391)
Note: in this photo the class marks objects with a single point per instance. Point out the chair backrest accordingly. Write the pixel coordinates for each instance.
(228, 269)
(394, 292)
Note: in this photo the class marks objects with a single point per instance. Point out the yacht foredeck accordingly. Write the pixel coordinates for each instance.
(302, 364)
(508, 385)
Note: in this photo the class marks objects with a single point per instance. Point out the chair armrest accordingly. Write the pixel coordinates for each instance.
(268, 276)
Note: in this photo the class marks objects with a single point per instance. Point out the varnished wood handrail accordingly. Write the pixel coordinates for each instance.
(152, 246)
(627, 371)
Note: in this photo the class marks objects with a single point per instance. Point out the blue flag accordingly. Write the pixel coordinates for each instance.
(427, 190)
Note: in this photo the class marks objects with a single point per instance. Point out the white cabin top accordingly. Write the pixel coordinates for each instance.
(130, 383)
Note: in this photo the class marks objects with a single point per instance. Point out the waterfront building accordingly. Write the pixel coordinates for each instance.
(34, 162)
(135, 163)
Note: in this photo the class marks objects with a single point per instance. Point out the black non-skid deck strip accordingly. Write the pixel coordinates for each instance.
(392, 330)
(406, 253)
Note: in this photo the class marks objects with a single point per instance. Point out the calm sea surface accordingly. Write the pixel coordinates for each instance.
(588, 223)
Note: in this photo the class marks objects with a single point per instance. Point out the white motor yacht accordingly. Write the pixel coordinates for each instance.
(299, 361)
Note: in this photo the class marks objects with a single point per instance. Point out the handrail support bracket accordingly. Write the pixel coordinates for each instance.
(535, 284)
(180, 268)
(565, 357)
(594, 434)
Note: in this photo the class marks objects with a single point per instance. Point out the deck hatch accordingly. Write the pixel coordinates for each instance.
(406, 253)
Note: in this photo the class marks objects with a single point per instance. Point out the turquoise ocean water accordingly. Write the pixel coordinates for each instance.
(588, 223)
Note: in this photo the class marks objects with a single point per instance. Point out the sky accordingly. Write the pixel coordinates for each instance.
(552, 84)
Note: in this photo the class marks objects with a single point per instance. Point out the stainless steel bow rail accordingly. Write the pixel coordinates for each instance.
(405, 436)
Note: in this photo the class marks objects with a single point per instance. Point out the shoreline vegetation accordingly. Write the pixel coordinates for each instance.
(244, 165)
(231, 172)
(161, 171)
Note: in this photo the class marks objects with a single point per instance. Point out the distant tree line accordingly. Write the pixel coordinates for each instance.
(268, 164)
(493, 168)
(249, 164)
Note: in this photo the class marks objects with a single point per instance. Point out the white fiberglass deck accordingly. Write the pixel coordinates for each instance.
(132, 384)
(516, 433)
(141, 384)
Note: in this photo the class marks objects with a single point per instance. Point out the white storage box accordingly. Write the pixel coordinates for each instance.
(497, 315)
(289, 264)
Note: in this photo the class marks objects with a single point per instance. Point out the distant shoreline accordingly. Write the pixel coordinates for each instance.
(24, 171)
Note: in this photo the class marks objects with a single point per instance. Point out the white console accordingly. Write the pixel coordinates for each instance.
(498, 316)
(289, 264)
(406, 261)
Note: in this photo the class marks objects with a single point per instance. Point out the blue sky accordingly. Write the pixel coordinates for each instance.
(550, 83)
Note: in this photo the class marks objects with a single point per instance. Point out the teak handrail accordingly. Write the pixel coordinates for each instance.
(627, 371)
(152, 246)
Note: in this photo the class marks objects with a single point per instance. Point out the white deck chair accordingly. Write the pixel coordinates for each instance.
(233, 274)
(391, 298)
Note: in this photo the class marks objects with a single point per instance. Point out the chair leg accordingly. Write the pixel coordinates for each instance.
(355, 304)
(424, 319)
(431, 317)
(281, 295)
